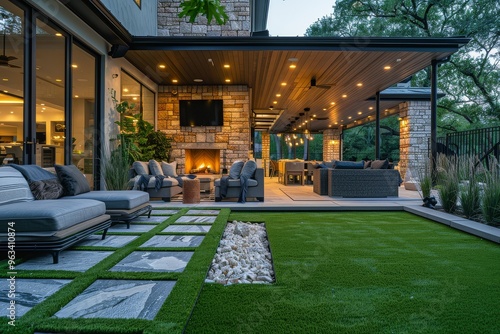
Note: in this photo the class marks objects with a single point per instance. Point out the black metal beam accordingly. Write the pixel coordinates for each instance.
(176, 43)
(377, 125)
(434, 97)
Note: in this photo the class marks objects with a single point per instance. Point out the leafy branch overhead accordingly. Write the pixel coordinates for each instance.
(209, 8)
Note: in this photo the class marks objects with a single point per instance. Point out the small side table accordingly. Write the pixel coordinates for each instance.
(191, 191)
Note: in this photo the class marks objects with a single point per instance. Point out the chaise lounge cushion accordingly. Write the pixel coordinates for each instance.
(72, 179)
(45, 218)
(117, 199)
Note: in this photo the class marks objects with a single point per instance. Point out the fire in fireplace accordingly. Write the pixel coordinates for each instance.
(202, 161)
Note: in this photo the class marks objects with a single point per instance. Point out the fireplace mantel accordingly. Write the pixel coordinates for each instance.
(202, 146)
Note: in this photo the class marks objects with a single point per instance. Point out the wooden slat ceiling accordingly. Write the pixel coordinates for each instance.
(337, 74)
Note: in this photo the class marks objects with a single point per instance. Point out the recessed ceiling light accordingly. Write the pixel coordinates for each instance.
(332, 103)
(5, 91)
(125, 90)
(174, 80)
(198, 80)
(74, 65)
(162, 66)
(228, 80)
(278, 95)
(371, 108)
(58, 80)
(398, 60)
(42, 104)
(293, 66)
(344, 95)
(5, 79)
(336, 123)
(324, 108)
(349, 117)
(11, 112)
(58, 34)
(76, 96)
(360, 113)
(387, 67)
(275, 102)
(226, 66)
(134, 98)
(359, 84)
(283, 83)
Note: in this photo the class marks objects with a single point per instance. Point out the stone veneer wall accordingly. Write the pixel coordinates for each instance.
(331, 144)
(238, 24)
(233, 139)
(415, 131)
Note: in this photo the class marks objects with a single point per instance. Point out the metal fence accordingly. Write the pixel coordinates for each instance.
(480, 143)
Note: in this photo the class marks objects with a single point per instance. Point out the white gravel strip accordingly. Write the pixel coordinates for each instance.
(243, 256)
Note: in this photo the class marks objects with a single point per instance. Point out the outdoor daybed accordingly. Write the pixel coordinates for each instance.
(50, 225)
(241, 173)
(70, 183)
(357, 179)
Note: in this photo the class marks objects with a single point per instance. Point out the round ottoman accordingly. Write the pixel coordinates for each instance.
(191, 191)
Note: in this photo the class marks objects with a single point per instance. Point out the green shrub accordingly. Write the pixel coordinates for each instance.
(469, 193)
(491, 198)
(448, 182)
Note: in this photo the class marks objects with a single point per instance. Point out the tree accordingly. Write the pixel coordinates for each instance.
(209, 8)
(470, 79)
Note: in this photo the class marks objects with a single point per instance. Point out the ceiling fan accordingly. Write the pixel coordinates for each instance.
(4, 60)
(315, 85)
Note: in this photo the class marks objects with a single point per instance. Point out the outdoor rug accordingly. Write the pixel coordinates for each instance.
(303, 193)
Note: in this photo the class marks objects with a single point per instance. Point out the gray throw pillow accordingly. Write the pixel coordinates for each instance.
(380, 164)
(248, 169)
(72, 180)
(155, 168)
(141, 167)
(235, 170)
(169, 169)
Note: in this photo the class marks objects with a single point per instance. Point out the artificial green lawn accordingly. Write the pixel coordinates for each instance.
(360, 272)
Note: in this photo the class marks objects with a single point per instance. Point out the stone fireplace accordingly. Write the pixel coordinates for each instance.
(202, 161)
(220, 146)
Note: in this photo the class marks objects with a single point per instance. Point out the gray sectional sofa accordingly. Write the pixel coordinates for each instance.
(50, 225)
(170, 181)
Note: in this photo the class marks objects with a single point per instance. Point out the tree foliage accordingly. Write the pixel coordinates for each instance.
(470, 80)
(212, 9)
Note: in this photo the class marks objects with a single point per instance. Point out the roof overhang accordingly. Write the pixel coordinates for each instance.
(348, 72)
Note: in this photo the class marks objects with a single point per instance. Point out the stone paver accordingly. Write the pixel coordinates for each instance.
(196, 219)
(154, 261)
(174, 241)
(188, 228)
(131, 299)
(70, 260)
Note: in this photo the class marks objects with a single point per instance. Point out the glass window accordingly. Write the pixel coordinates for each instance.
(83, 67)
(11, 84)
(50, 88)
(135, 93)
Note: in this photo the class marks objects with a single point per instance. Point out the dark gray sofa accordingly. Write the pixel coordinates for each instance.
(50, 225)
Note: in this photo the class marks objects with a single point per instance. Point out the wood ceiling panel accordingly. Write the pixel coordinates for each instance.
(264, 70)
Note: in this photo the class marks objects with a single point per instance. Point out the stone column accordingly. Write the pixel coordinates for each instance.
(415, 131)
(266, 152)
(331, 144)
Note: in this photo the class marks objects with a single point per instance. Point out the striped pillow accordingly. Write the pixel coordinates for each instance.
(13, 187)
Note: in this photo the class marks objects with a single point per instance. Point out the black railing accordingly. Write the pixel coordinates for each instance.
(480, 143)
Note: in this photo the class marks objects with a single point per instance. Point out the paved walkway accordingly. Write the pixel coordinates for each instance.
(139, 299)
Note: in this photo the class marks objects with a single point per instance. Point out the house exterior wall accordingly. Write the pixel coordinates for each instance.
(415, 131)
(169, 23)
(138, 21)
(233, 138)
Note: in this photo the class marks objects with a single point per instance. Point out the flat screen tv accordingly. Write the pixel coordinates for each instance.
(201, 113)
